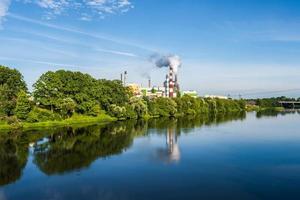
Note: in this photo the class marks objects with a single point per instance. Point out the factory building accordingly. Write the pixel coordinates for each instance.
(170, 87)
(151, 92)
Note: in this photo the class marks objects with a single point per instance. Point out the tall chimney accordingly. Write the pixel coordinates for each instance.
(176, 85)
(149, 83)
(125, 76)
(171, 82)
(167, 86)
(122, 78)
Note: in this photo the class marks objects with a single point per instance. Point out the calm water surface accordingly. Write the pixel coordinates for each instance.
(215, 157)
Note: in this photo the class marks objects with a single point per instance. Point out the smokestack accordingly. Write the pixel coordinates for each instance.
(171, 82)
(125, 76)
(173, 62)
(149, 83)
(122, 78)
(176, 84)
(167, 86)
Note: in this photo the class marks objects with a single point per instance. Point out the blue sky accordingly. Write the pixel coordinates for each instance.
(249, 47)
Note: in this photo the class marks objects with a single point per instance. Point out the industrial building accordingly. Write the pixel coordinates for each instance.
(170, 86)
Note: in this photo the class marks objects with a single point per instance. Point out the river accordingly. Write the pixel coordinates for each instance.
(240, 156)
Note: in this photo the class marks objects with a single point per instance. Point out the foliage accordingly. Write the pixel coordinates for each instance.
(42, 115)
(272, 102)
(139, 106)
(64, 94)
(67, 107)
(117, 111)
(23, 106)
(165, 106)
(87, 93)
(11, 83)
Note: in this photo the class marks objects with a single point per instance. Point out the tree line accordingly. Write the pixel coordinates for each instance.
(62, 94)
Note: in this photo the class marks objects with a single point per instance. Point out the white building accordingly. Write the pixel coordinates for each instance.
(216, 97)
(191, 93)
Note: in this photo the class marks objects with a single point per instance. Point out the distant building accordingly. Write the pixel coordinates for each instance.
(151, 92)
(216, 97)
(134, 88)
(191, 93)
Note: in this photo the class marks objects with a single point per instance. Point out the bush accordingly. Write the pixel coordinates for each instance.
(23, 106)
(117, 111)
(42, 115)
(139, 106)
(13, 121)
(130, 113)
(165, 106)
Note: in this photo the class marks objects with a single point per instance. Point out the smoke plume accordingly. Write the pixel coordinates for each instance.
(161, 61)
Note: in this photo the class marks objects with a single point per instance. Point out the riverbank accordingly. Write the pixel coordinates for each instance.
(83, 120)
(251, 108)
(74, 120)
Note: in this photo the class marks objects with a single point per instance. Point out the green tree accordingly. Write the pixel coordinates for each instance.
(85, 90)
(67, 107)
(11, 83)
(117, 111)
(139, 106)
(23, 106)
(165, 106)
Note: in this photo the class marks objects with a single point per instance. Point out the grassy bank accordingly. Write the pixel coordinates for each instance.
(251, 108)
(74, 120)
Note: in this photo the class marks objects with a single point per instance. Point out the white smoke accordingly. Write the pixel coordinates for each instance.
(172, 61)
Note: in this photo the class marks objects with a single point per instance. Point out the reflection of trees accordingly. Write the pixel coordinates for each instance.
(68, 149)
(187, 123)
(274, 113)
(73, 149)
(13, 158)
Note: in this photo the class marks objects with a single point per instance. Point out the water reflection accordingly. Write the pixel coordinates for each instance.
(274, 113)
(171, 152)
(13, 158)
(74, 149)
(63, 150)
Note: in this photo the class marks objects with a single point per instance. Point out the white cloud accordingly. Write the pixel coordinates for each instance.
(80, 32)
(56, 6)
(4, 5)
(117, 52)
(95, 8)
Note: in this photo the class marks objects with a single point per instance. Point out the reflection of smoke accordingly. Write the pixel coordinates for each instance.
(172, 61)
(172, 152)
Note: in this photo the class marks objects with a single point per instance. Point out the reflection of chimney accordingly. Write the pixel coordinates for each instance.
(149, 83)
(172, 145)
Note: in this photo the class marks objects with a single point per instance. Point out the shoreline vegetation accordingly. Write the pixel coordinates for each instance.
(64, 98)
(73, 121)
